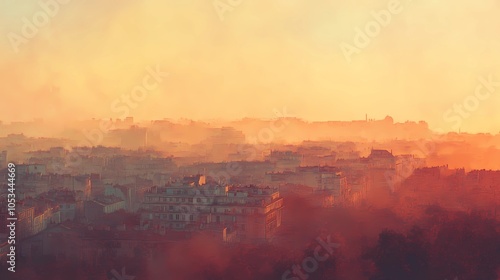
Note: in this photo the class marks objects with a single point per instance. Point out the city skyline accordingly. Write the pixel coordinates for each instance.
(236, 139)
(418, 60)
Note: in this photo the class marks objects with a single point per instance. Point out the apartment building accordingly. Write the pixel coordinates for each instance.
(252, 212)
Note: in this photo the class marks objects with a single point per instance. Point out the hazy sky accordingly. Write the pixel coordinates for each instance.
(263, 55)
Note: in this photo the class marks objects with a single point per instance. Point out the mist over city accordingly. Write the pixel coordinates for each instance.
(233, 139)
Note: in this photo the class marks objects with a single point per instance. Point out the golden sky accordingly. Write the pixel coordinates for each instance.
(228, 59)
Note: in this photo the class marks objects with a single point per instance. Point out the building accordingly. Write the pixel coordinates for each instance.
(75, 242)
(285, 160)
(25, 218)
(70, 203)
(326, 182)
(26, 169)
(250, 212)
(44, 217)
(61, 241)
(324, 178)
(101, 206)
(404, 168)
(382, 159)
